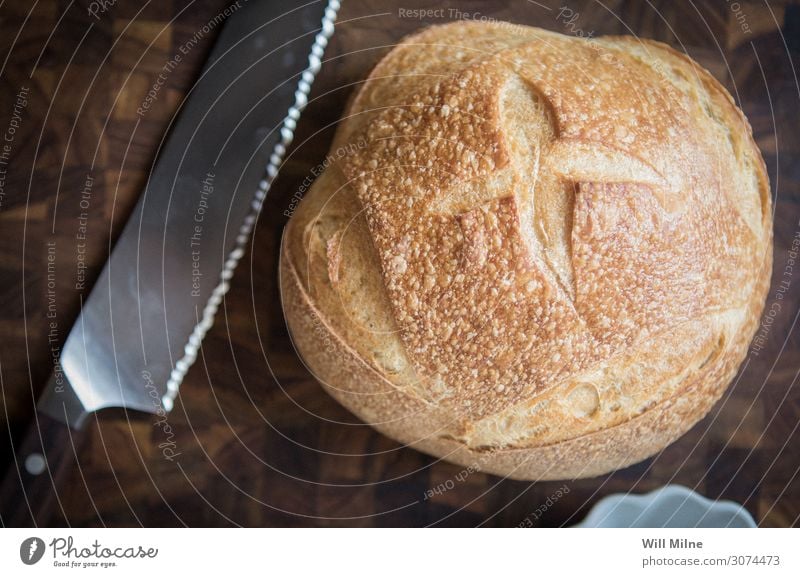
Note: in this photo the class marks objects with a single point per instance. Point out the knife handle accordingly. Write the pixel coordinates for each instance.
(29, 495)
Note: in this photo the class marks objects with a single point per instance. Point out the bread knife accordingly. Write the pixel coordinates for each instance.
(141, 326)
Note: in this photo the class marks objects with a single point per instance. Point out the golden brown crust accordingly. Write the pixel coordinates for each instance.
(544, 255)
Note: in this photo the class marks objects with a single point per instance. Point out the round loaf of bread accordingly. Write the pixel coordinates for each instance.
(536, 255)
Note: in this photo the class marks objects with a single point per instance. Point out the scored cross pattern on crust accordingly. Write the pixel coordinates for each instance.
(542, 175)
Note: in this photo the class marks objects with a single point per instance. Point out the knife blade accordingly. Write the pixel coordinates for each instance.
(141, 327)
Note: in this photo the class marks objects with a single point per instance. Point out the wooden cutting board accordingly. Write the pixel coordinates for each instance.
(253, 439)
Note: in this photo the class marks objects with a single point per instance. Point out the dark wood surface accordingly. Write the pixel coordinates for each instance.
(256, 441)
